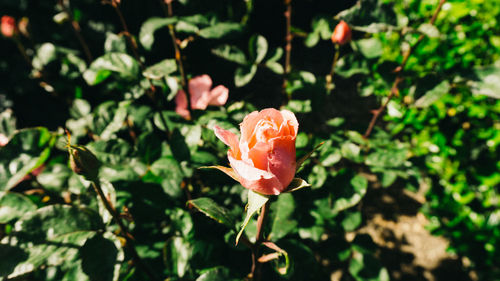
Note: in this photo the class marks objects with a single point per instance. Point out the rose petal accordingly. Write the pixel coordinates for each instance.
(292, 122)
(218, 96)
(281, 159)
(258, 155)
(199, 89)
(255, 179)
(181, 106)
(228, 138)
(249, 123)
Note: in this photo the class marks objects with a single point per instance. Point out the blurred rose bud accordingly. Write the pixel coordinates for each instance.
(342, 33)
(23, 26)
(3, 140)
(83, 162)
(264, 157)
(8, 26)
(201, 96)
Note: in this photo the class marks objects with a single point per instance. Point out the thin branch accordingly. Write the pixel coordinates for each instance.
(126, 233)
(76, 30)
(178, 56)
(329, 77)
(399, 71)
(135, 50)
(127, 34)
(288, 47)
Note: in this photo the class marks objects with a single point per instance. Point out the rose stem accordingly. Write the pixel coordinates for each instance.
(399, 70)
(329, 77)
(288, 48)
(126, 233)
(76, 30)
(130, 39)
(43, 78)
(256, 266)
(178, 56)
(135, 49)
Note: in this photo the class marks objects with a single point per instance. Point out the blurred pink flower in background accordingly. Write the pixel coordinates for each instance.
(201, 95)
(8, 26)
(3, 140)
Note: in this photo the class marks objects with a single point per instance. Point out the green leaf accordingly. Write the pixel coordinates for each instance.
(275, 67)
(46, 53)
(117, 123)
(300, 106)
(258, 48)
(255, 202)
(115, 43)
(350, 151)
(318, 176)
(429, 30)
(55, 177)
(312, 39)
(220, 30)
(348, 197)
(148, 28)
(122, 64)
(370, 48)
(297, 184)
(26, 151)
(214, 274)
(283, 223)
(80, 108)
(350, 65)
(178, 252)
(210, 208)
(13, 206)
(375, 27)
(204, 158)
(186, 27)
(55, 220)
(351, 221)
(244, 74)
(170, 173)
(275, 54)
(161, 69)
(230, 53)
(487, 81)
(365, 267)
(55, 252)
(84, 255)
(433, 95)
(392, 157)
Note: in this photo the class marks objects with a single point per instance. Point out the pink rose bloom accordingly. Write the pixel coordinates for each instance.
(264, 157)
(342, 33)
(3, 140)
(8, 26)
(201, 95)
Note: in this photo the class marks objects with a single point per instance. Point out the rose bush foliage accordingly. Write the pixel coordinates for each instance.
(109, 72)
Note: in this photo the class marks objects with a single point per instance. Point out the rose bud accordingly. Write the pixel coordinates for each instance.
(83, 162)
(200, 95)
(8, 26)
(263, 159)
(342, 33)
(23, 26)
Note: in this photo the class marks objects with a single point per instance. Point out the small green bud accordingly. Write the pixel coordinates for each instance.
(83, 162)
